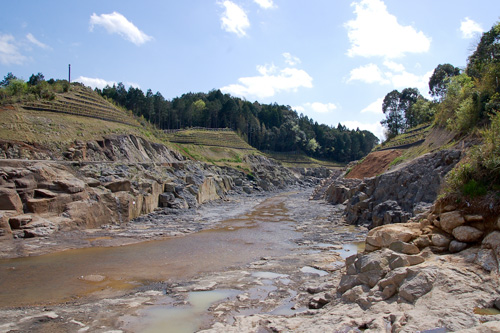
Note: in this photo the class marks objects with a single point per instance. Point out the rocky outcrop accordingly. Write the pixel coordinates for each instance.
(121, 178)
(395, 196)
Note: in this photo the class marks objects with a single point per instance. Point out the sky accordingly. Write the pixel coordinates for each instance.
(331, 60)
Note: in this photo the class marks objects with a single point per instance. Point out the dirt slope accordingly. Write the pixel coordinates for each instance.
(374, 164)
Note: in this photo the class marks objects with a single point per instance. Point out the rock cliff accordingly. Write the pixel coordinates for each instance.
(114, 180)
(394, 196)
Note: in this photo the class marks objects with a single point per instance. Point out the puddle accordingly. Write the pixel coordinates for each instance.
(269, 275)
(350, 249)
(173, 319)
(312, 270)
(486, 311)
(56, 277)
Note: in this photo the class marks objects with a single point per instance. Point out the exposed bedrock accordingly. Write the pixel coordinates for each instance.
(120, 178)
(395, 196)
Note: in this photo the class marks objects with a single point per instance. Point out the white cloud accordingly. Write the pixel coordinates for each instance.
(405, 79)
(375, 107)
(266, 4)
(315, 107)
(393, 66)
(376, 32)
(35, 41)
(290, 59)
(271, 81)
(370, 73)
(95, 82)
(9, 52)
(116, 23)
(398, 77)
(234, 19)
(470, 28)
(376, 128)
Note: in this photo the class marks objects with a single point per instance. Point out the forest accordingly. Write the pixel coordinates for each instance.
(267, 127)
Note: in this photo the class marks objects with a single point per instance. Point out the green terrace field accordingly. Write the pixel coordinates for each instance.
(412, 137)
(80, 101)
(294, 159)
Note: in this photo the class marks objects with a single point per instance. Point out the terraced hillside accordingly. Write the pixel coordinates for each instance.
(81, 101)
(412, 137)
(205, 137)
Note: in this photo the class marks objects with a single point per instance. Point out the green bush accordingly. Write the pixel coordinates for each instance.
(473, 189)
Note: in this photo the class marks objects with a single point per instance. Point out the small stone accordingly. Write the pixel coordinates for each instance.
(456, 246)
(440, 240)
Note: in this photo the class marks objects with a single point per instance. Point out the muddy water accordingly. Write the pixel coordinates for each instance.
(68, 275)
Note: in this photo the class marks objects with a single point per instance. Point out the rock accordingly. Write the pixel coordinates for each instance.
(467, 234)
(473, 218)
(19, 221)
(492, 241)
(457, 246)
(43, 193)
(348, 282)
(422, 241)
(320, 301)
(403, 247)
(487, 260)
(385, 235)
(72, 185)
(10, 200)
(497, 303)
(419, 284)
(118, 186)
(39, 206)
(354, 294)
(450, 220)
(440, 240)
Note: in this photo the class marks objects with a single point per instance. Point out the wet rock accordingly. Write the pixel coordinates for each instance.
(467, 234)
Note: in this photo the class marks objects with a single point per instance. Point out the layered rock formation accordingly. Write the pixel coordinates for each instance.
(394, 196)
(94, 189)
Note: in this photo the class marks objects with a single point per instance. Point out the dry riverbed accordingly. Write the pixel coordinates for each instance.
(243, 256)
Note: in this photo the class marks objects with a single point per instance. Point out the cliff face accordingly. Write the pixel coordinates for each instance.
(395, 196)
(113, 181)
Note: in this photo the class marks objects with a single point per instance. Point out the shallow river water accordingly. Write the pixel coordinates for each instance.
(69, 275)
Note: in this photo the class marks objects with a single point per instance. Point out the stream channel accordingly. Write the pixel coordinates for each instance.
(267, 230)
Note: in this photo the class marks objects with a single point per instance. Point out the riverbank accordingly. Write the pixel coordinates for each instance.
(295, 242)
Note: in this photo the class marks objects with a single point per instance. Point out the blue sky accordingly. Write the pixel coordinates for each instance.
(333, 61)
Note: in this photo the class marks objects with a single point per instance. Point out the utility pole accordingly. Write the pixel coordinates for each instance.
(69, 73)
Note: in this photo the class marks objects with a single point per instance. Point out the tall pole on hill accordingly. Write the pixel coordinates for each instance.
(69, 73)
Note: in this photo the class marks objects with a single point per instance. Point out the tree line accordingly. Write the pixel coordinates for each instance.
(269, 127)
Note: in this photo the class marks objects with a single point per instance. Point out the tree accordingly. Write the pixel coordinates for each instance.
(487, 51)
(36, 79)
(409, 96)
(439, 80)
(7, 79)
(394, 116)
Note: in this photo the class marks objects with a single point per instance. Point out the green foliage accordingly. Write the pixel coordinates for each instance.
(440, 78)
(268, 127)
(401, 113)
(473, 189)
